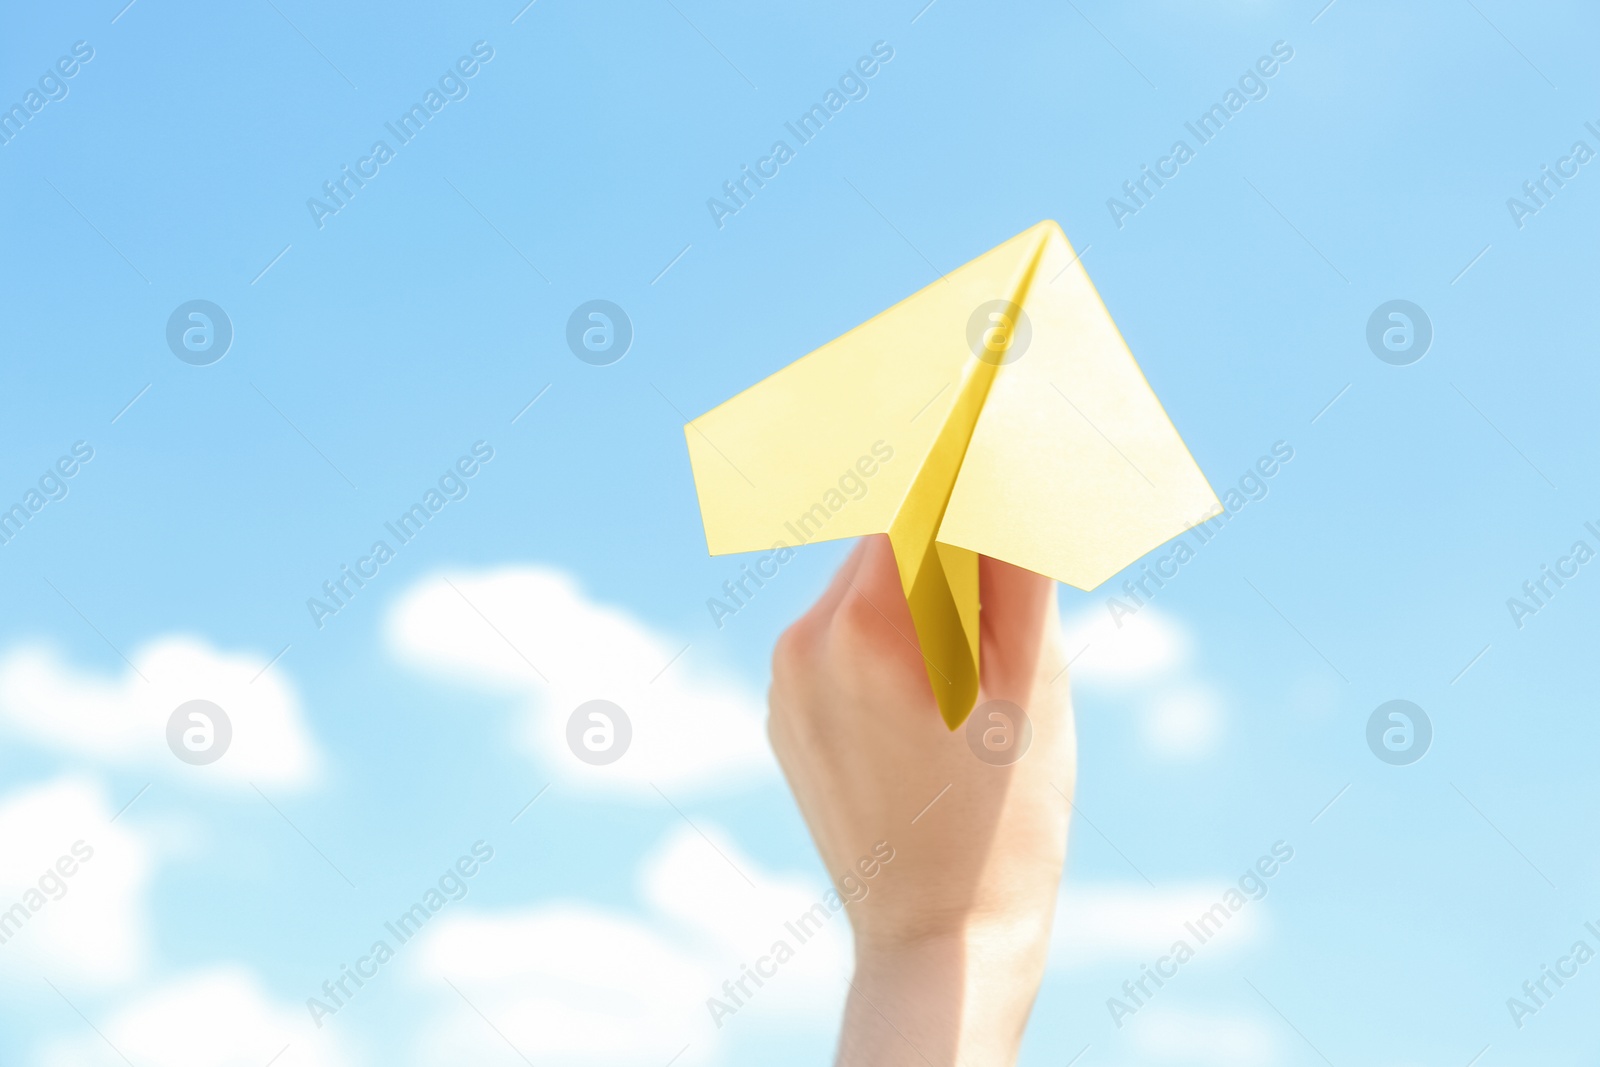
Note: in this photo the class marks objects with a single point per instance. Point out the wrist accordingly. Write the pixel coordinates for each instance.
(960, 997)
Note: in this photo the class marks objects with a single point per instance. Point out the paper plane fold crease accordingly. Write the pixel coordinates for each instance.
(997, 412)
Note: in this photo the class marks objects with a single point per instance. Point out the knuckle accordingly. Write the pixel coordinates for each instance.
(794, 649)
(857, 621)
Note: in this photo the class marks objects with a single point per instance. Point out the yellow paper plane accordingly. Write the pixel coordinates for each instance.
(1016, 425)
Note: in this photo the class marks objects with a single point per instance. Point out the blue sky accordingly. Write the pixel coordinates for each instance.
(371, 352)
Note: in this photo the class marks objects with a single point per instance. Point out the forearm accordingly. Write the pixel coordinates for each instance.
(942, 1003)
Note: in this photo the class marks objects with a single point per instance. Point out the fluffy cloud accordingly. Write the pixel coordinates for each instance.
(1131, 922)
(1146, 646)
(1184, 723)
(573, 983)
(1149, 657)
(83, 928)
(1211, 1037)
(122, 720)
(215, 1018)
(531, 632)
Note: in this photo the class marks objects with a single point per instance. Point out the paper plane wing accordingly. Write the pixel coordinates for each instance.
(997, 412)
(1074, 469)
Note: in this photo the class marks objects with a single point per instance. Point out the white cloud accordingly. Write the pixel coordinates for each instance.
(532, 632)
(1149, 657)
(572, 983)
(1191, 1037)
(1184, 723)
(220, 1017)
(86, 928)
(578, 984)
(122, 720)
(1148, 645)
(1101, 921)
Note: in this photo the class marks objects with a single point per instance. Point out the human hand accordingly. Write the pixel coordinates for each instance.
(952, 933)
